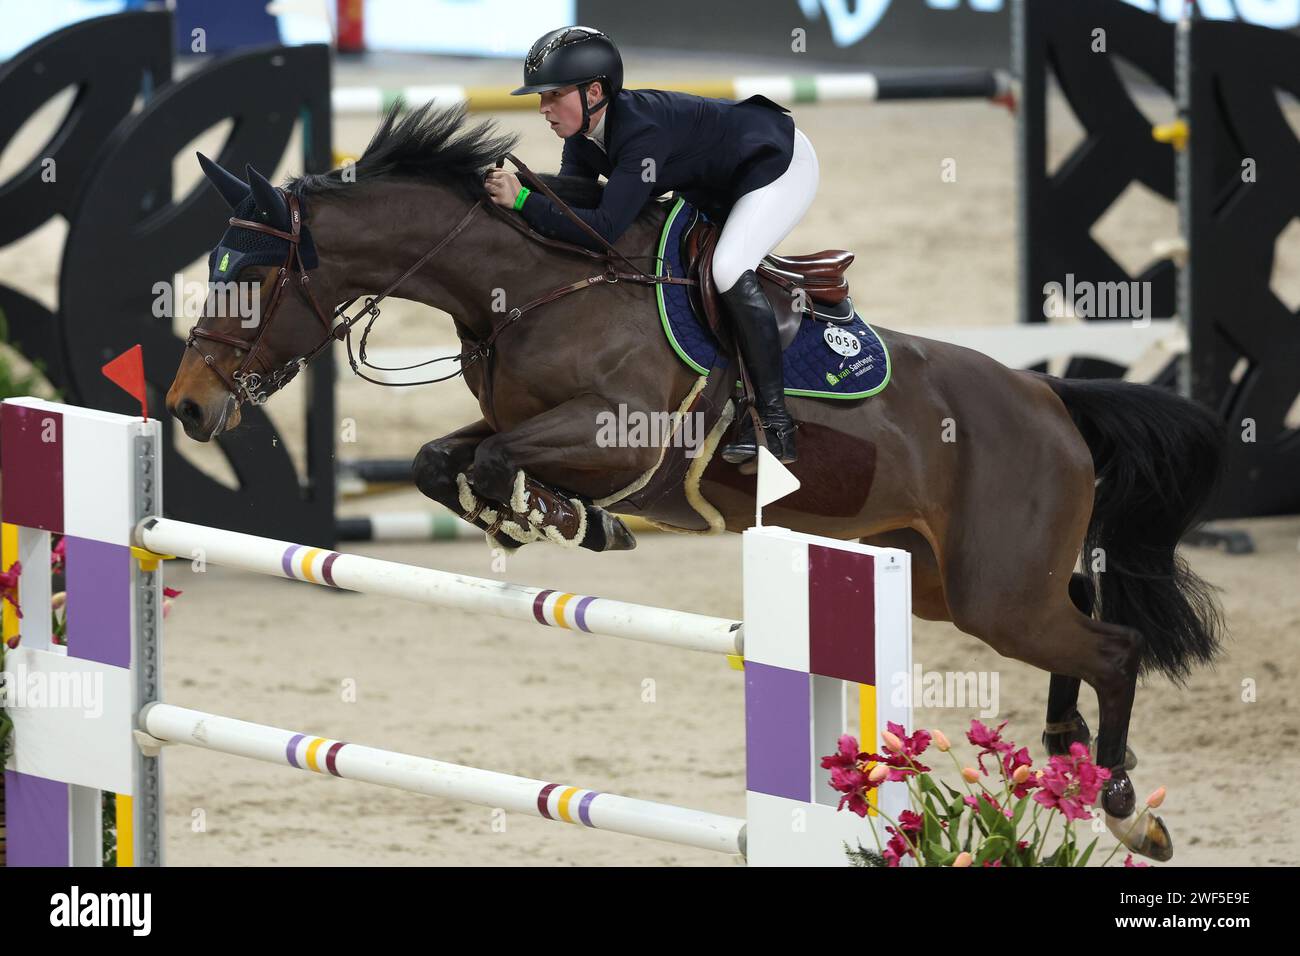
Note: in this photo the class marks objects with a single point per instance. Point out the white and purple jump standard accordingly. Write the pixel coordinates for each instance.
(822, 618)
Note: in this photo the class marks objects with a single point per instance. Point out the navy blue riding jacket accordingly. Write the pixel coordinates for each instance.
(709, 151)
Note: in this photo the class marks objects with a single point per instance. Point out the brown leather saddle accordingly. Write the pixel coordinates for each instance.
(808, 286)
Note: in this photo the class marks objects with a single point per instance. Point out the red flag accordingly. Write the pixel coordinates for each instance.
(127, 372)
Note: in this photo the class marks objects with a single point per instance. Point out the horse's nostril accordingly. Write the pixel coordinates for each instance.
(188, 411)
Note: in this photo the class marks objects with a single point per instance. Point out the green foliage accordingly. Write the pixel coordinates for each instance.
(14, 384)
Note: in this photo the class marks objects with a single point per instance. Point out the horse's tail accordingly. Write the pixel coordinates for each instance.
(1158, 459)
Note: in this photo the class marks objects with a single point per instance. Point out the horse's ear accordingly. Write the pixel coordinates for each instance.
(267, 199)
(233, 189)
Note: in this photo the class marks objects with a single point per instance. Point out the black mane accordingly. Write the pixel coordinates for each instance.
(435, 145)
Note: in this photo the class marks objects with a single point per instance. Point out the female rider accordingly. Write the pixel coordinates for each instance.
(742, 161)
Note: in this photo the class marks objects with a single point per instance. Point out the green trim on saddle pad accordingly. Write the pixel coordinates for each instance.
(681, 352)
(659, 290)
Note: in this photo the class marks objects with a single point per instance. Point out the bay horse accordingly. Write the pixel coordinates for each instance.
(996, 480)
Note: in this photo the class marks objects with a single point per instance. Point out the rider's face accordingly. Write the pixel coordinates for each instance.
(563, 109)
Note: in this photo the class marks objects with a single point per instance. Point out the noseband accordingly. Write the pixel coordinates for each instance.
(256, 378)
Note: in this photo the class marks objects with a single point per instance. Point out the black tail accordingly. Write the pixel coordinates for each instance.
(1158, 460)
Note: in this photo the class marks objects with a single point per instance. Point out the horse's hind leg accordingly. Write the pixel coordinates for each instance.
(1047, 631)
(1065, 725)
(1008, 561)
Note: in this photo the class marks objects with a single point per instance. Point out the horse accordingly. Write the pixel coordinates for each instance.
(996, 480)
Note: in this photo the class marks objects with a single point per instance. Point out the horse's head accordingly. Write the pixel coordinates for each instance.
(262, 318)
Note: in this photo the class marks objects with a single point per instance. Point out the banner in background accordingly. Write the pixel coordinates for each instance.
(913, 33)
(482, 27)
(873, 33)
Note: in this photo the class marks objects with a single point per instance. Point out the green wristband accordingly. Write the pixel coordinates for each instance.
(523, 194)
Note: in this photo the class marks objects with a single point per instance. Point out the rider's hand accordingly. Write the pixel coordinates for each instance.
(503, 187)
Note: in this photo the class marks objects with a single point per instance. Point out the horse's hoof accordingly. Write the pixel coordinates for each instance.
(1147, 837)
(617, 535)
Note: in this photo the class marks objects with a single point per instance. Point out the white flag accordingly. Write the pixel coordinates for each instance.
(775, 481)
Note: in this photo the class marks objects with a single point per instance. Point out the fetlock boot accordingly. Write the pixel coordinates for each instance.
(754, 324)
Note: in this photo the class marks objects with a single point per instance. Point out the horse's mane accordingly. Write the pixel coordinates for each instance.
(437, 145)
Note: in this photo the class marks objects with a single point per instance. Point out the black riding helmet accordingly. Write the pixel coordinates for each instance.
(573, 56)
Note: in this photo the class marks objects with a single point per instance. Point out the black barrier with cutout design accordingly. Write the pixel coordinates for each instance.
(1060, 209)
(1233, 225)
(126, 237)
(109, 61)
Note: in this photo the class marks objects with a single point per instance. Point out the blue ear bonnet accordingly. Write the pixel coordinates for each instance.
(241, 247)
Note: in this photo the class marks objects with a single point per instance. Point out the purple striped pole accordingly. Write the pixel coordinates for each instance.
(352, 572)
(538, 798)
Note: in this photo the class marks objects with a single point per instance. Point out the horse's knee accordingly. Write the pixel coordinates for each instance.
(435, 467)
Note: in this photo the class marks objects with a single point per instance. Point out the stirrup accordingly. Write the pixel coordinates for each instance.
(741, 451)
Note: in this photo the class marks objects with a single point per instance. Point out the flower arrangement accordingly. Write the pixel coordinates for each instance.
(982, 824)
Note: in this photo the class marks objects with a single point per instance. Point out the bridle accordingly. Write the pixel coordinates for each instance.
(256, 379)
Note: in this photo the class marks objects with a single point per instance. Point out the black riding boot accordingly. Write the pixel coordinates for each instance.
(760, 348)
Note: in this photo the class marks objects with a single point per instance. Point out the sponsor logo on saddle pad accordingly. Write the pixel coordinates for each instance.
(861, 367)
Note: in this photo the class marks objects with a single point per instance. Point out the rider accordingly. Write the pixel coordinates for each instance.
(744, 161)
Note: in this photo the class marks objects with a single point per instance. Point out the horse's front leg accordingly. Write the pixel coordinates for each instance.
(439, 471)
(549, 468)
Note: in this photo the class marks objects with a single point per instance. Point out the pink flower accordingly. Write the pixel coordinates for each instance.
(850, 776)
(912, 746)
(990, 741)
(902, 763)
(909, 823)
(9, 586)
(1071, 783)
(57, 554)
(1016, 765)
(1133, 864)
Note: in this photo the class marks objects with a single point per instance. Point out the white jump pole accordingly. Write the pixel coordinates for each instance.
(351, 572)
(590, 808)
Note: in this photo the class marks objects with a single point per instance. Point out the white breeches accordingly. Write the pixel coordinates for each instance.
(761, 219)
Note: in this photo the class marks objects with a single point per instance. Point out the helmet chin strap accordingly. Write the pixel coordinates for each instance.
(586, 110)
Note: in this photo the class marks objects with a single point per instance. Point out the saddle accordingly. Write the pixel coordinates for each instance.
(799, 287)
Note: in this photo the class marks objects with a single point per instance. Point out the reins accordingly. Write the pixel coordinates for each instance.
(254, 380)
